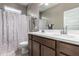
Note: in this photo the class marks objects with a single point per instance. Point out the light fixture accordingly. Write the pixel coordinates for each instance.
(44, 4)
(12, 10)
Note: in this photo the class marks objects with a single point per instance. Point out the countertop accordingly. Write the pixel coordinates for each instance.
(69, 38)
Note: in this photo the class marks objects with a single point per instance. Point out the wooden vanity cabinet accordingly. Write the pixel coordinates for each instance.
(40, 46)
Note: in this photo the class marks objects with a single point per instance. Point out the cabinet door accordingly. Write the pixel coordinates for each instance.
(45, 51)
(69, 49)
(36, 49)
(50, 43)
(30, 47)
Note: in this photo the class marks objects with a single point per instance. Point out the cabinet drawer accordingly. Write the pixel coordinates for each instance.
(69, 49)
(50, 43)
(36, 38)
(45, 41)
(39, 39)
(45, 51)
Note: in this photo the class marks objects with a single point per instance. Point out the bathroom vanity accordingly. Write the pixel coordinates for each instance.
(46, 44)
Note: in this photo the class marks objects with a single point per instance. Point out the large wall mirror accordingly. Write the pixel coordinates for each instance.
(71, 19)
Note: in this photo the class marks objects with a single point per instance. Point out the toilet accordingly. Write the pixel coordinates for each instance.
(24, 47)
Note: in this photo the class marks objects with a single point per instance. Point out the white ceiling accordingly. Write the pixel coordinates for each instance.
(45, 7)
(42, 7)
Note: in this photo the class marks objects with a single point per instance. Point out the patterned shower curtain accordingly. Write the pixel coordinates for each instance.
(13, 30)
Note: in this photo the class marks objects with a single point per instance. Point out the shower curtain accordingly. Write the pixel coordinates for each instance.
(13, 30)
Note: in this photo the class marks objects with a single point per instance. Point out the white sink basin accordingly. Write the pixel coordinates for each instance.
(65, 35)
(62, 35)
(58, 35)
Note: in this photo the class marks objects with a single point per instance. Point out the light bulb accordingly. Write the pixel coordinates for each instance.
(46, 4)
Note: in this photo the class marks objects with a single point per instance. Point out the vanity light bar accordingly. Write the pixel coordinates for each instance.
(6, 8)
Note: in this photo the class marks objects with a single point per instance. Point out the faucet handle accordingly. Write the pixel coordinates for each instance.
(66, 29)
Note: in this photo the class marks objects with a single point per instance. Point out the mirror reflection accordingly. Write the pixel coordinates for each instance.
(62, 15)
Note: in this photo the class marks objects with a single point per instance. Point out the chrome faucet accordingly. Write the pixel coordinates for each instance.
(64, 30)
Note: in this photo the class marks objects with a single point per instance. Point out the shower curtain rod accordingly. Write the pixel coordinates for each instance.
(2, 9)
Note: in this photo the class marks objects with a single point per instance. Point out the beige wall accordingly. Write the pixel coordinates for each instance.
(55, 14)
(14, 5)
